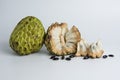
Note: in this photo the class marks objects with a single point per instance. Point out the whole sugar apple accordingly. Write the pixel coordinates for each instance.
(28, 36)
(61, 41)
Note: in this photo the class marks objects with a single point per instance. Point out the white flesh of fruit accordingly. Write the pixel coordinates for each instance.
(64, 40)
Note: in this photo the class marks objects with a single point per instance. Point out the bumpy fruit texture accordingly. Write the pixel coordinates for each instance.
(28, 36)
(61, 41)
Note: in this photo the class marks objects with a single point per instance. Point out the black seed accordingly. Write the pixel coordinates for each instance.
(62, 57)
(111, 55)
(52, 57)
(68, 59)
(86, 57)
(55, 58)
(71, 56)
(105, 56)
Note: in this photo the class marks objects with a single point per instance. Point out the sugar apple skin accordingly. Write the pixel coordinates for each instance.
(28, 36)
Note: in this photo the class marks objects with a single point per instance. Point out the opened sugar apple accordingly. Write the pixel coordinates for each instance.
(61, 41)
(28, 36)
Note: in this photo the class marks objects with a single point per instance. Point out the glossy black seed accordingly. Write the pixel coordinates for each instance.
(71, 56)
(52, 57)
(62, 57)
(111, 55)
(86, 57)
(68, 59)
(55, 58)
(105, 56)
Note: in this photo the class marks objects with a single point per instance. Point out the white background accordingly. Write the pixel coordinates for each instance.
(96, 19)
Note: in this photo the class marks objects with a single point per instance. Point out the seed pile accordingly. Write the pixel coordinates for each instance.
(110, 55)
(68, 58)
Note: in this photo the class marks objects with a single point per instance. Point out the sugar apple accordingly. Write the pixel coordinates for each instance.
(61, 41)
(28, 36)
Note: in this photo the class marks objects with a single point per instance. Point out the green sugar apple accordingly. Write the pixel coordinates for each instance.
(28, 36)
